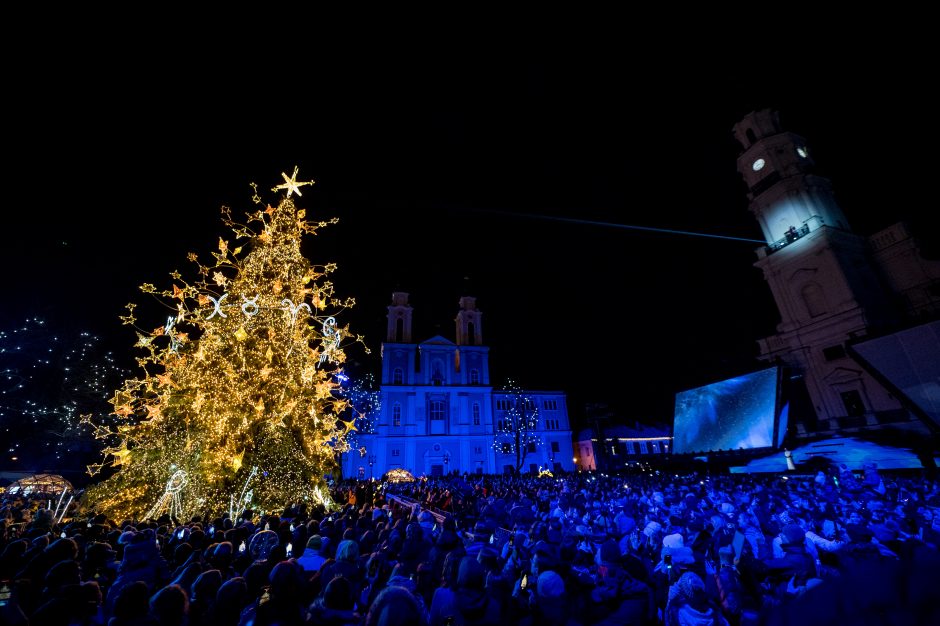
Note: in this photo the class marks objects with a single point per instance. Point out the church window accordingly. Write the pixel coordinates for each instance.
(555, 447)
(437, 409)
(398, 376)
(396, 415)
(476, 413)
(814, 299)
(551, 405)
(502, 404)
(531, 446)
(474, 377)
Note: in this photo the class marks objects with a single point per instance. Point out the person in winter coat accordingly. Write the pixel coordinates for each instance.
(617, 597)
(688, 604)
(141, 562)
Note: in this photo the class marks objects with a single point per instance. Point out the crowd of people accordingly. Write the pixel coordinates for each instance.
(837, 547)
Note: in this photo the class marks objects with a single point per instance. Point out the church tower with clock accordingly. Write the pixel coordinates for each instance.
(832, 287)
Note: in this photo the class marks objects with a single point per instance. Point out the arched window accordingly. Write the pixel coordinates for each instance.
(474, 377)
(396, 414)
(398, 376)
(476, 413)
(471, 334)
(814, 299)
(399, 330)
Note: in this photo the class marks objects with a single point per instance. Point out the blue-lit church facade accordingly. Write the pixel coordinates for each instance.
(439, 413)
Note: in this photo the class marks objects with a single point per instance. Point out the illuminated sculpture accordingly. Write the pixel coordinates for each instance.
(239, 386)
(170, 500)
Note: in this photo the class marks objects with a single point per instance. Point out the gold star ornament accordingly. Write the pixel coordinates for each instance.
(291, 184)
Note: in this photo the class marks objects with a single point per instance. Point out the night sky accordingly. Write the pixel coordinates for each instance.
(438, 169)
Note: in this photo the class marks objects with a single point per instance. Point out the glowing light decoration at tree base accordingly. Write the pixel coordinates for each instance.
(245, 497)
(169, 502)
(243, 375)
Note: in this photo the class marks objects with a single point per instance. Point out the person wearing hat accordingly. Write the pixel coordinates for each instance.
(795, 560)
(141, 562)
(312, 559)
(428, 524)
(731, 591)
(99, 565)
(786, 524)
(688, 603)
(618, 597)
(474, 604)
(674, 562)
(549, 604)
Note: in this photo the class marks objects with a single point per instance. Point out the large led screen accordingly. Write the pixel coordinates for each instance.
(727, 415)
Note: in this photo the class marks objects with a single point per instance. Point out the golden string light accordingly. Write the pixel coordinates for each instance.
(235, 385)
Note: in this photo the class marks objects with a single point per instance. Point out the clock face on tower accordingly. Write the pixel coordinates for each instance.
(758, 165)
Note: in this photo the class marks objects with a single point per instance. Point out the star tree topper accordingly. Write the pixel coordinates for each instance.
(291, 184)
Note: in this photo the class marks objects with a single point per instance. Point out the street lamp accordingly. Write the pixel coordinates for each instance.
(371, 463)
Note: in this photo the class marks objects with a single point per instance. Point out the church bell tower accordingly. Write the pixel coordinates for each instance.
(399, 319)
(823, 277)
(469, 323)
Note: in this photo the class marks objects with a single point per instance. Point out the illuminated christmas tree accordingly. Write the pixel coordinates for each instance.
(238, 400)
(516, 434)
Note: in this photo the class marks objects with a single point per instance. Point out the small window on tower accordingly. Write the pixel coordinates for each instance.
(398, 376)
(815, 300)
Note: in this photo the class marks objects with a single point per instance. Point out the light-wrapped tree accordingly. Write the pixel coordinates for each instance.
(517, 428)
